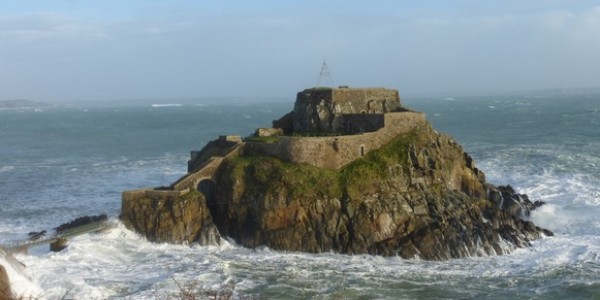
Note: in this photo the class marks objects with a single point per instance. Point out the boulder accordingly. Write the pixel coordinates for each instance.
(171, 217)
(5, 290)
(59, 245)
(80, 222)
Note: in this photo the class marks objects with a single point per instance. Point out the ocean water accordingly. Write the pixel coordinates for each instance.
(58, 163)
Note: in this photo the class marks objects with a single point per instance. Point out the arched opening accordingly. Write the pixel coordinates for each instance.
(207, 188)
(217, 210)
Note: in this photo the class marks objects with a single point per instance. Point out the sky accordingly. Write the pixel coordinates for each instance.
(158, 49)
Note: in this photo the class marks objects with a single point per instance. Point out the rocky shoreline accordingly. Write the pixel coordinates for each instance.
(416, 197)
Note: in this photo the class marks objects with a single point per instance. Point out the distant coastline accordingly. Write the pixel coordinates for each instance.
(22, 103)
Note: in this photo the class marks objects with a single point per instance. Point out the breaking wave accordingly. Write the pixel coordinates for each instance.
(167, 105)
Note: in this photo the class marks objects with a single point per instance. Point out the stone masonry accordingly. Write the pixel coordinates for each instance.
(321, 109)
(348, 123)
(334, 152)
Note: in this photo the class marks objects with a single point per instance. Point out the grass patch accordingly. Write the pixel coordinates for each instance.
(270, 175)
(362, 175)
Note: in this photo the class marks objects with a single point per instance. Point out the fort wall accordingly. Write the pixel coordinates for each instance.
(361, 123)
(321, 109)
(334, 152)
(367, 100)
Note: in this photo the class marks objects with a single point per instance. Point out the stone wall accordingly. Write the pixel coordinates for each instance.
(336, 151)
(361, 123)
(367, 100)
(218, 147)
(321, 109)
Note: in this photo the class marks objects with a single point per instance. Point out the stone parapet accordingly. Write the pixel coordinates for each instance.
(334, 152)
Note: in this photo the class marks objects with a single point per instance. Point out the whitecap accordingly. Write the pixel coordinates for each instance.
(20, 282)
(167, 105)
(6, 169)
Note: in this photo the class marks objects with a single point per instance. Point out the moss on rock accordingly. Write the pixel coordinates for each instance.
(419, 195)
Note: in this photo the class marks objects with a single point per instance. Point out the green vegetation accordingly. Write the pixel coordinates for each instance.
(267, 174)
(358, 176)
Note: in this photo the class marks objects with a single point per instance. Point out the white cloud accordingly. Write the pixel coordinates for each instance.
(263, 53)
(46, 28)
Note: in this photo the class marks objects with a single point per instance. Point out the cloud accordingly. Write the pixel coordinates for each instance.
(262, 53)
(46, 28)
(507, 51)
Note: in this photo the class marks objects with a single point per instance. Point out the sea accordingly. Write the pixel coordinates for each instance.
(64, 161)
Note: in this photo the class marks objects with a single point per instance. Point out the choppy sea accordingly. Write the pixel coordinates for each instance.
(58, 163)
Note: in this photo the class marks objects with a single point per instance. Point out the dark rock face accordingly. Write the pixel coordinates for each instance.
(36, 235)
(174, 219)
(5, 291)
(506, 198)
(421, 195)
(59, 245)
(80, 222)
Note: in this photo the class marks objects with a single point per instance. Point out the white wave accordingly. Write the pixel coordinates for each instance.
(551, 217)
(167, 105)
(119, 263)
(6, 169)
(20, 283)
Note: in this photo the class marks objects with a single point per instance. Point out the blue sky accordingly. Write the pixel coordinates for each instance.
(111, 50)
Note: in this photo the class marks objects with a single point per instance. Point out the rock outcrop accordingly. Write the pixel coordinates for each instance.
(418, 194)
(170, 217)
(5, 291)
(80, 222)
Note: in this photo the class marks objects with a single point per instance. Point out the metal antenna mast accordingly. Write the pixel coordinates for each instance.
(324, 75)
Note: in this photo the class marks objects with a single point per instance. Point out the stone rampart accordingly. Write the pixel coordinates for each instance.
(152, 193)
(361, 123)
(365, 100)
(334, 152)
(206, 170)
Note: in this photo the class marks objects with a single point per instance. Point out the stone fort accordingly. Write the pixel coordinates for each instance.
(331, 127)
(328, 128)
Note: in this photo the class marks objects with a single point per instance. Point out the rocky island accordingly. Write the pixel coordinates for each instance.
(349, 170)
